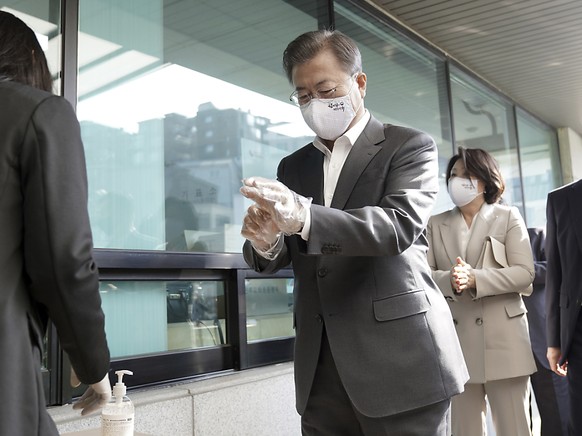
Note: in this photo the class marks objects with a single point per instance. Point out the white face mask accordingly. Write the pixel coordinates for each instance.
(329, 118)
(462, 191)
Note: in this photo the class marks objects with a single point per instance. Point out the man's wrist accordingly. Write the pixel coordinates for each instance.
(271, 252)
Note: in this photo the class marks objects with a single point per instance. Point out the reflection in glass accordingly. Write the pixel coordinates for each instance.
(406, 86)
(196, 314)
(178, 101)
(149, 317)
(269, 305)
(482, 120)
(538, 150)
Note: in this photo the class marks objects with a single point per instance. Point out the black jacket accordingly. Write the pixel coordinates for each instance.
(46, 266)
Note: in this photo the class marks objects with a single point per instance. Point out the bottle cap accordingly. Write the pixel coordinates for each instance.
(119, 388)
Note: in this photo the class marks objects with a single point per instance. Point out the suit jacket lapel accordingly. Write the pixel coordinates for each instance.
(311, 176)
(482, 223)
(449, 231)
(575, 206)
(358, 159)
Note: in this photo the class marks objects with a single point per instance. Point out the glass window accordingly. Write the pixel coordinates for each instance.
(269, 308)
(406, 84)
(540, 163)
(483, 120)
(178, 101)
(148, 317)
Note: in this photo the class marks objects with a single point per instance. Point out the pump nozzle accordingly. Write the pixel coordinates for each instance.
(119, 388)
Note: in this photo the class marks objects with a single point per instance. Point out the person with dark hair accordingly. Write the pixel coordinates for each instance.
(564, 293)
(375, 351)
(47, 267)
(550, 390)
(480, 257)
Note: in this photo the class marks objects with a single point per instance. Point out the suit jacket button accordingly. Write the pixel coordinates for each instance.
(322, 272)
(319, 318)
(479, 321)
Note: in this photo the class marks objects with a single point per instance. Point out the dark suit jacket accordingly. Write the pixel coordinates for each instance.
(46, 262)
(564, 271)
(536, 302)
(364, 275)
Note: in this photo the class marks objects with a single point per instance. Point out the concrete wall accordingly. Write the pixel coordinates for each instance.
(253, 402)
(570, 154)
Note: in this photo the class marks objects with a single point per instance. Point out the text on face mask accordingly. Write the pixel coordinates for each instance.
(336, 106)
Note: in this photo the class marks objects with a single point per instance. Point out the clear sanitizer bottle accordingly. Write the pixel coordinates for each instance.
(117, 417)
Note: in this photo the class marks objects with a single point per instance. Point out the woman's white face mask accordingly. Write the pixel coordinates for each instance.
(462, 190)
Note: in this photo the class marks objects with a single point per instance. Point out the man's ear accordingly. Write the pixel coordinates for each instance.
(362, 81)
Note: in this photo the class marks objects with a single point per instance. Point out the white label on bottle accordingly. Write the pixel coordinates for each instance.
(117, 425)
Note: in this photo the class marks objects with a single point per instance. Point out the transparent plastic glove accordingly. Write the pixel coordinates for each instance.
(95, 397)
(286, 208)
(259, 228)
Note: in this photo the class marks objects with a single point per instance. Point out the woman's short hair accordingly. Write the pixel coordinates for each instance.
(21, 56)
(306, 46)
(482, 165)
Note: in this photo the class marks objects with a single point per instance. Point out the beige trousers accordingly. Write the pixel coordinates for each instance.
(509, 402)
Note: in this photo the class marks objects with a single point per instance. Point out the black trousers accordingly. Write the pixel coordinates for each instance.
(551, 396)
(575, 381)
(330, 412)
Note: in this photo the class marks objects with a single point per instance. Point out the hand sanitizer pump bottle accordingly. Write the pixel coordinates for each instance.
(117, 417)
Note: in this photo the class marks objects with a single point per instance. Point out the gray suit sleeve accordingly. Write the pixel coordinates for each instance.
(397, 220)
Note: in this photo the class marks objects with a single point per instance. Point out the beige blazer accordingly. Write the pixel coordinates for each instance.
(491, 319)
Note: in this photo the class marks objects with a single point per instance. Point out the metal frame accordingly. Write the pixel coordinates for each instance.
(179, 365)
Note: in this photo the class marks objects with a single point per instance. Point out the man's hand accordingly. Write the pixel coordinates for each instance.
(259, 228)
(95, 397)
(287, 209)
(554, 355)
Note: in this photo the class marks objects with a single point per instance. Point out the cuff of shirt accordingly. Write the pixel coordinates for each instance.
(304, 233)
(273, 251)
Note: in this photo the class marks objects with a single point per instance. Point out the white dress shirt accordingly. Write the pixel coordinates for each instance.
(465, 231)
(333, 162)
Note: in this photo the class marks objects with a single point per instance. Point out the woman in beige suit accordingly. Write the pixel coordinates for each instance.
(480, 257)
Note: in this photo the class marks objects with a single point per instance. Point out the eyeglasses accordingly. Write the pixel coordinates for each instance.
(300, 98)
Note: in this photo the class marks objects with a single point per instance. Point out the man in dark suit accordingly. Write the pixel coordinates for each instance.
(551, 390)
(46, 260)
(564, 293)
(376, 350)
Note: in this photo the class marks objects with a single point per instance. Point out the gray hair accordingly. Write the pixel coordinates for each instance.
(308, 45)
